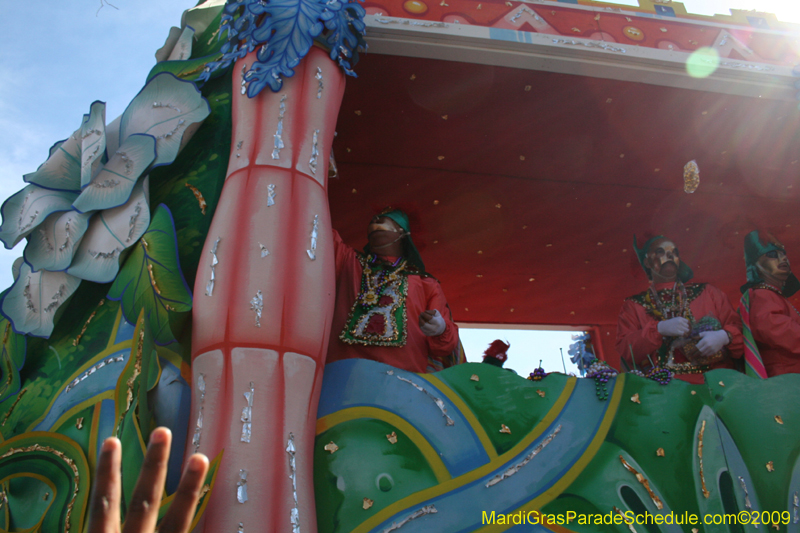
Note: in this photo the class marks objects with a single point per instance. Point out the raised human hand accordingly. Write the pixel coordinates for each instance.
(712, 341)
(674, 327)
(104, 512)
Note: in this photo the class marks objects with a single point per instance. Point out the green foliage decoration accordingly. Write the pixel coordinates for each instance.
(151, 279)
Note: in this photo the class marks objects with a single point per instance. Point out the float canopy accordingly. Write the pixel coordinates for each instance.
(526, 186)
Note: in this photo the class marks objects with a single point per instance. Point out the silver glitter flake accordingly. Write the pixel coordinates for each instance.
(56, 297)
(201, 388)
(746, 497)
(408, 22)
(746, 66)
(105, 255)
(270, 195)
(312, 253)
(439, 403)
(214, 263)
(525, 10)
(137, 210)
(241, 528)
(29, 224)
(66, 230)
(172, 132)
(318, 76)
(92, 370)
(264, 251)
(241, 486)
(517, 467)
(294, 517)
(257, 305)
(276, 152)
(428, 509)
(107, 184)
(244, 79)
(127, 160)
(157, 105)
(796, 507)
(590, 44)
(26, 292)
(247, 414)
(312, 163)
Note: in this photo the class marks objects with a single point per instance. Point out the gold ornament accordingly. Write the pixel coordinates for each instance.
(331, 447)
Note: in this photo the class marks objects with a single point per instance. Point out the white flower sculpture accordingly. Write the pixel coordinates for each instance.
(89, 202)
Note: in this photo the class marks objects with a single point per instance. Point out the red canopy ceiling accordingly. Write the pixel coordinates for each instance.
(527, 186)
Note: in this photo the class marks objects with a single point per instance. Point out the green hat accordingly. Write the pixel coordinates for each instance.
(684, 272)
(754, 248)
(410, 251)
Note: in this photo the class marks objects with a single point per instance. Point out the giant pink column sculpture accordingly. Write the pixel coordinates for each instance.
(264, 299)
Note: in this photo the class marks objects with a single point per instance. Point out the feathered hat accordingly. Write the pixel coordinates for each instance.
(684, 272)
(754, 248)
(496, 354)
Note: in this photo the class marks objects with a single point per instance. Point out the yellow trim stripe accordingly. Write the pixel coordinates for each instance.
(465, 411)
(110, 348)
(106, 395)
(443, 488)
(93, 433)
(50, 500)
(353, 413)
(102, 355)
(566, 480)
(115, 329)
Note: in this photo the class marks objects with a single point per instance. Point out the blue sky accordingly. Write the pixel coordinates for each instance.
(60, 56)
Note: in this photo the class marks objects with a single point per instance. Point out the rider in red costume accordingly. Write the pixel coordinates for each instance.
(388, 308)
(689, 329)
(773, 320)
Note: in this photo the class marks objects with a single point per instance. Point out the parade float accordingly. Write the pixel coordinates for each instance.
(178, 269)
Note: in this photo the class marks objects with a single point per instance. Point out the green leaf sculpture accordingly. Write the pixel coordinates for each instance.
(58, 465)
(130, 398)
(151, 279)
(12, 357)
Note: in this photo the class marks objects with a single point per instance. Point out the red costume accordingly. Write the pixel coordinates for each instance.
(637, 328)
(423, 293)
(775, 325)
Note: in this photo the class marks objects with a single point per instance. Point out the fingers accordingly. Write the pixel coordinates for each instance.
(143, 510)
(425, 317)
(705, 348)
(104, 510)
(181, 511)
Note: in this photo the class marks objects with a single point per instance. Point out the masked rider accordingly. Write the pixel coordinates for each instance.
(766, 311)
(687, 328)
(388, 308)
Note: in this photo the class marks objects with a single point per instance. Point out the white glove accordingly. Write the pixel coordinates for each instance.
(712, 341)
(674, 327)
(435, 327)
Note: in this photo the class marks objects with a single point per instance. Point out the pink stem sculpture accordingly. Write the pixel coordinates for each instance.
(264, 302)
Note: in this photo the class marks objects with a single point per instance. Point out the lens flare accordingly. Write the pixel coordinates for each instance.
(702, 63)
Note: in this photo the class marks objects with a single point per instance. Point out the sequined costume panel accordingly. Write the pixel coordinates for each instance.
(637, 328)
(423, 293)
(776, 329)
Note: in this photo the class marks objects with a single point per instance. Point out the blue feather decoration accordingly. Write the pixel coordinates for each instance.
(284, 31)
